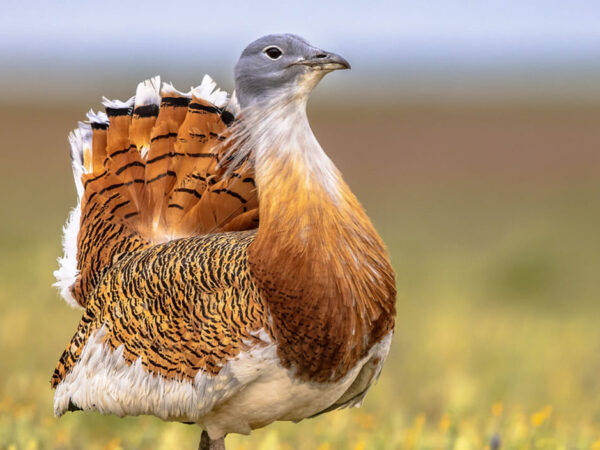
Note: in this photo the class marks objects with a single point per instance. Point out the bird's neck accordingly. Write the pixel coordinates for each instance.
(323, 268)
(290, 158)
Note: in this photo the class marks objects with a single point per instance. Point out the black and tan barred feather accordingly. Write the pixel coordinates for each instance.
(182, 306)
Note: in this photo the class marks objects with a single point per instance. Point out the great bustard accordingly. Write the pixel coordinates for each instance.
(227, 275)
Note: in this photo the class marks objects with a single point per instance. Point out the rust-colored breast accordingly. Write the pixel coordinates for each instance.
(325, 275)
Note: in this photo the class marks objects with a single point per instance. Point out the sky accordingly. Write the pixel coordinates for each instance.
(71, 37)
(70, 29)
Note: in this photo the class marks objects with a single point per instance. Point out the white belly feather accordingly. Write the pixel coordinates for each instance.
(249, 392)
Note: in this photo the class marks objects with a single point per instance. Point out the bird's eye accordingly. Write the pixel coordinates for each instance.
(273, 52)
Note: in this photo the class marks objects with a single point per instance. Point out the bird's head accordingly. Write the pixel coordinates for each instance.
(282, 66)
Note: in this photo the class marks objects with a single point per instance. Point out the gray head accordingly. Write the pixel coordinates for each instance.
(279, 65)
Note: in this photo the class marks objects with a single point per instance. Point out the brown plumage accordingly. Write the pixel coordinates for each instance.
(211, 273)
(209, 318)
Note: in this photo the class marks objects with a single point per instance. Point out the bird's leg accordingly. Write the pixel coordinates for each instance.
(206, 443)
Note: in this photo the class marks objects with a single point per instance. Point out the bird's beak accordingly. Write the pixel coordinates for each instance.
(323, 60)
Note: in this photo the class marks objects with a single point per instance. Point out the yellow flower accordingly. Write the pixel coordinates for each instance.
(410, 439)
(497, 409)
(444, 423)
(324, 446)
(360, 445)
(537, 419)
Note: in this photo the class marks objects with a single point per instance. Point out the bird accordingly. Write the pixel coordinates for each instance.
(227, 275)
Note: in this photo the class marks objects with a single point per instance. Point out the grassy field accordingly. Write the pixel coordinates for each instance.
(492, 217)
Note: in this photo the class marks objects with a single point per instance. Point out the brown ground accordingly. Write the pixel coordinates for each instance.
(491, 215)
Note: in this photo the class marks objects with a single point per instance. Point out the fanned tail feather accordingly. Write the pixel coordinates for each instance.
(151, 169)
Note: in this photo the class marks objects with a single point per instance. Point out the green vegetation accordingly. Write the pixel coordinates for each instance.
(497, 257)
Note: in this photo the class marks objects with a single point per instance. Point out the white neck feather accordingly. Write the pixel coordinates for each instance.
(276, 134)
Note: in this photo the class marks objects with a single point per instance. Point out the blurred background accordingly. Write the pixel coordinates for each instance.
(470, 131)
